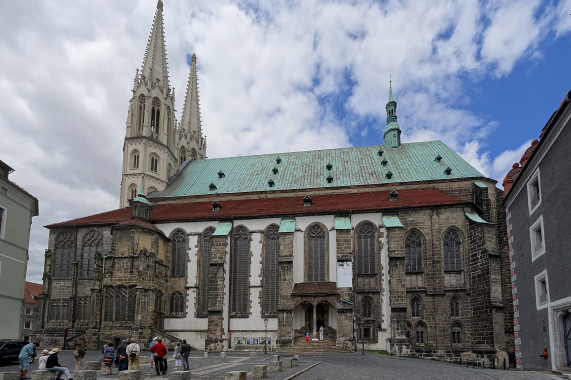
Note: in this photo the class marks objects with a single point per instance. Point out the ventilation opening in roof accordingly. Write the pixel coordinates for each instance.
(393, 196)
(307, 200)
(384, 162)
(271, 183)
(329, 179)
(448, 171)
(380, 152)
(221, 174)
(438, 158)
(389, 175)
(278, 160)
(329, 166)
(216, 206)
(212, 187)
(275, 170)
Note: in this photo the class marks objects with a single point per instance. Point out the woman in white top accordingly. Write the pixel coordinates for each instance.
(43, 359)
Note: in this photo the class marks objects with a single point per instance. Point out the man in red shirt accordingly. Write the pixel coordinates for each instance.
(159, 351)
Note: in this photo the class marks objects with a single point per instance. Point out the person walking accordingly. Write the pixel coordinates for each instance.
(177, 356)
(321, 332)
(109, 351)
(153, 342)
(29, 350)
(121, 353)
(79, 355)
(133, 351)
(160, 351)
(52, 364)
(185, 352)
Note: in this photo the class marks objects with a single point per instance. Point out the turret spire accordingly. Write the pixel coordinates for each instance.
(190, 121)
(392, 130)
(155, 69)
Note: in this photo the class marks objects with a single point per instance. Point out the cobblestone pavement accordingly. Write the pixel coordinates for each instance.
(352, 366)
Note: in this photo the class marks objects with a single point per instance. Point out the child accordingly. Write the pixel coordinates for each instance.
(307, 336)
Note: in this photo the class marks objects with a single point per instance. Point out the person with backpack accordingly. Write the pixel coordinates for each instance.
(133, 350)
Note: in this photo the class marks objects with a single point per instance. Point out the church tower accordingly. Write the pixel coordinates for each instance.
(392, 130)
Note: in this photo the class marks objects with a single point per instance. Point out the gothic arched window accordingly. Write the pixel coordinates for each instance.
(182, 154)
(177, 303)
(135, 159)
(92, 244)
(456, 333)
(316, 254)
(413, 253)
(178, 254)
(452, 254)
(140, 113)
(108, 300)
(240, 272)
(416, 307)
(155, 115)
(367, 306)
(154, 164)
(271, 254)
(193, 154)
(454, 307)
(420, 333)
(158, 302)
(64, 255)
(205, 257)
(132, 191)
(365, 249)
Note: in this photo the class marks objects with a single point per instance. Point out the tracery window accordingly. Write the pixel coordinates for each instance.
(206, 256)
(178, 254)
(452, 255)
(182, 154)
(64, 255)
(420, 333)
(119, 304)
(141, 113)
(367, 305)
(177, 303)
(59, 310)
(193, 154)
(271, 254)
(155, 115)
(83, 309)
(416, 307)
(240, 272)
(108, 304)
(365, 249)
(92, 244)
(316, 254)
(158, 302)
(454, 307)
(413, 253)
(456, 333)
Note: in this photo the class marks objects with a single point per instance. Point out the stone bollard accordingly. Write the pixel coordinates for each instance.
(253, 355)
(296, 357)
(207, 354)
(223, 354)
(86, 374)
(91, 365)
(178, 375)
(276, 358)
(236, 375)
(130, 375)
(260, 372)
(287, 362)
(9, 375)
(294, 362)
(275, 366)
(44, 374)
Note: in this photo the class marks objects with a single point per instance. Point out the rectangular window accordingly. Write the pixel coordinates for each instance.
(28, 311)
(27, 325)
(366, 332)
(2, 221)
(541, 290)
(537, 239)
(533, 192)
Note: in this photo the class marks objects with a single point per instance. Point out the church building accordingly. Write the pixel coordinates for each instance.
(398, 246)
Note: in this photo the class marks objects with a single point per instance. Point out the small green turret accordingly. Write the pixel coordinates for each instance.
(392, 130)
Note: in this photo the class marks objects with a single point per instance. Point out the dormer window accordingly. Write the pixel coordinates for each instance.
(438, 158)
(221, 174)
(393, 196)
(212, 187)
(307, 200)
(329, 166)
(329, 179)
(216, 206)
(384, 162)
(271, 183)
(389, 175)
(278, 160)
(448, 171)
(275, 170)
(380, 152)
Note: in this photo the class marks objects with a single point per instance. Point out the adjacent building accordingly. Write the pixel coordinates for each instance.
(537, 213)
(17, 208)
(30, 313)
(400, 247)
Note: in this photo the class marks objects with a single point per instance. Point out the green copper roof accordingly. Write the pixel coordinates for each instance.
(392, 221)
(287, 225)
(222, 229)
(342, 223)
(475, 217)
(356, 166)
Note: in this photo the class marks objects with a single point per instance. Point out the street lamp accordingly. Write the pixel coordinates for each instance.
(266, 336)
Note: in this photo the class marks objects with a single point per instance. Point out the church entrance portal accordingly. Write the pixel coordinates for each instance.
(315, 316)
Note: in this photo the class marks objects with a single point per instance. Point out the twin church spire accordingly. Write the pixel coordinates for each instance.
(155, 144)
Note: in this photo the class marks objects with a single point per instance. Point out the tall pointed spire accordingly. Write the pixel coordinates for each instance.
(190, 121)
(392, 130)
(155, 69)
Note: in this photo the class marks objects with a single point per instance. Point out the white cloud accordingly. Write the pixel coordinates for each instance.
(504, 161)
(274, 76)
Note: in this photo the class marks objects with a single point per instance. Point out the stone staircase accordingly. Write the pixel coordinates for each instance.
(327, 345)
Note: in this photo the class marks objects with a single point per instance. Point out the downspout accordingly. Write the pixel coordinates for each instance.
(230, 285)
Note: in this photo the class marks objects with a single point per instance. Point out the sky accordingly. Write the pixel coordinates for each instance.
(274, 76)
